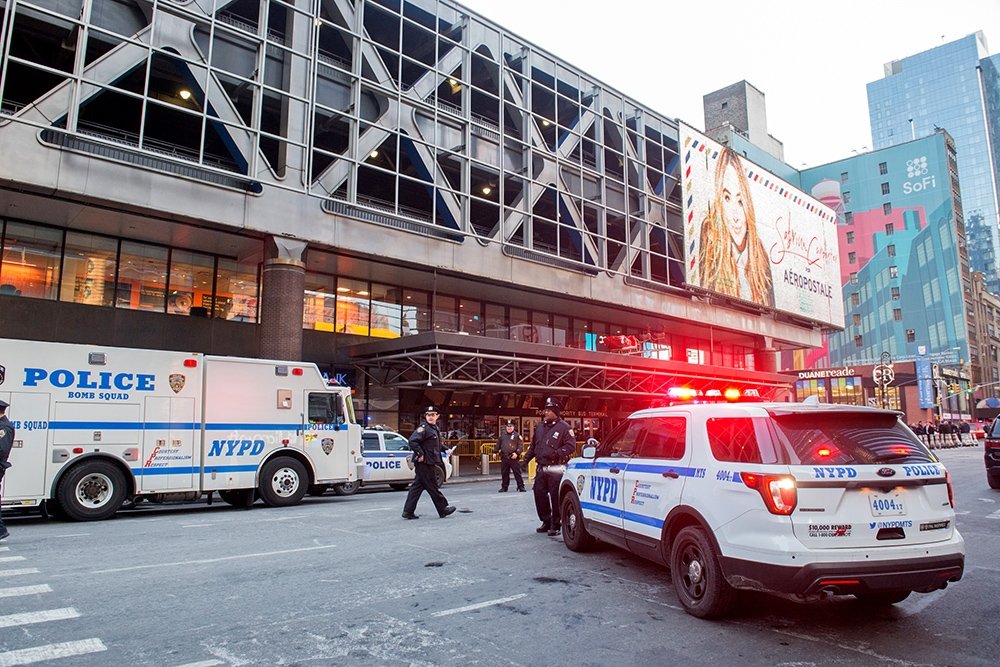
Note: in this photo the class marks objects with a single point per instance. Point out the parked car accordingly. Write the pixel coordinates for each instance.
(802, 500)
(991, 455)
(385, 455)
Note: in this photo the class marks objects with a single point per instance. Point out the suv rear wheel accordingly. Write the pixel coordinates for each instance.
(697, 576)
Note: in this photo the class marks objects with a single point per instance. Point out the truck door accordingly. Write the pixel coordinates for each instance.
(326, 439)
(167, 445)
(27, 477)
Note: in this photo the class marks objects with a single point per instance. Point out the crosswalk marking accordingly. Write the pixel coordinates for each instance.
(993, 515)
(24, 590)
(18, 572)
(29, 617)
(10, 559)
(27, 656)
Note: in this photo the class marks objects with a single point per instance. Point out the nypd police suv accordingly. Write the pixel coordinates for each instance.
(800, 499)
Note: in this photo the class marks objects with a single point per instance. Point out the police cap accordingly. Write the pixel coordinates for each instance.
(431, 410)
(554, 405)
(509, 422)
(4, 404)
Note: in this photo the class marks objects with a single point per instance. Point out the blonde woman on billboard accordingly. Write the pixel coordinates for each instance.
(731, 257)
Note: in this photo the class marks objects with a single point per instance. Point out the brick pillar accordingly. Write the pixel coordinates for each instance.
(765, 357)
(282, 289)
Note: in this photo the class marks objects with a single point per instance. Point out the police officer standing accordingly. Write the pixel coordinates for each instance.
(552, 446)
(6, 443)
(510, 444)
(426, 445)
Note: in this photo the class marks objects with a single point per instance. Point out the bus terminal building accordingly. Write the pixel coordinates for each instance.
(427, 206)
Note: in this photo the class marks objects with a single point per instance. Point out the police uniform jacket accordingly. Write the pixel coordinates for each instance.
(6, 442)
(553, 443)
(426, 442)
(509, 444)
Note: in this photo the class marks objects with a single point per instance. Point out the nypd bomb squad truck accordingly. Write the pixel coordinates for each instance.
(97, 427)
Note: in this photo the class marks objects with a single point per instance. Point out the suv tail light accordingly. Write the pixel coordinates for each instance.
(778, 491)
(951, 493)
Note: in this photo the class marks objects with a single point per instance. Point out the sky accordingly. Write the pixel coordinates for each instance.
(811, 60)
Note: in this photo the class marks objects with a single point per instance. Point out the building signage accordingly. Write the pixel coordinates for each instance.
(925, 382)
(751, 236)
(844, 372)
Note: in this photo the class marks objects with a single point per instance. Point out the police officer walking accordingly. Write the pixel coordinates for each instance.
(6, 444)
(510, 444)
(552, 446)
(426, 445)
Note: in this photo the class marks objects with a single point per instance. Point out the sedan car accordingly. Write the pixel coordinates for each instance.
(385, 455)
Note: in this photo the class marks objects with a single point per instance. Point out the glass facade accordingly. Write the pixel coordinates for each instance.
(953, 86)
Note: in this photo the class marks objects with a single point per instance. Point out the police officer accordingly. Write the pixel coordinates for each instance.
(552, 446)
(426, 445)
(6, 443)
(510, 444)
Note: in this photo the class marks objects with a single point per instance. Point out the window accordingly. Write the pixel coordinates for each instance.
(911, 336)
(396, 443)
(843, 177)
(734, 439)
(369, 442)
(191, 277)
(319, 302)
(352, 306)
(142, 277)
(325, 409)
(897, 314)
(852, 258)
(725, 105)
(883, 169)
(850, 237)
(30, 263)
(889, 229)
(88, 274)
(386, 311)
(847, 197)
(856, 319)
(885, 188)
(623, 440)
(855, 299)
(858, 341)
(848, 218)
(665, 438)
(890, 250)
(847, 390)
(236, 291)
(893, 272)
(854, 278)
(886, 208)
(895, 293)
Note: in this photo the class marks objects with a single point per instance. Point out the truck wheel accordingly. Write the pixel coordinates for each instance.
(993, 481)
(347, 488)
(575, 535)
(439, 475)
(238, 497)
(697, 576)
(91, 491)
(283, 482)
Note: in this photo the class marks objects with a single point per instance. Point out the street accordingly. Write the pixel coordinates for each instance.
(344, 580)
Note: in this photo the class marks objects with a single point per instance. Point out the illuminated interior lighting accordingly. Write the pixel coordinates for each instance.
(545, 123)
(373, 154)
(343, 289)
(362, 293)
(487, 190)
(184, 94)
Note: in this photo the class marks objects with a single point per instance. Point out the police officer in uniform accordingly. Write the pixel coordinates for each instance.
(510, 444)
(552, 446)
(6, 443)
(426, 445)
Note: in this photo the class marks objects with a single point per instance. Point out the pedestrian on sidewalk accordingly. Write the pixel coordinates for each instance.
(6, 444)
(426, 445)
(552, 446)
(510, 446)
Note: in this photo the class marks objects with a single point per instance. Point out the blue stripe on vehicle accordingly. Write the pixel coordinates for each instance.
(602, 509)
(643, 519)
(658, 469)
(123, 426)
(619, 514)
(596, 465)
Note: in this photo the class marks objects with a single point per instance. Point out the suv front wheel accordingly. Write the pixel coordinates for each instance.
(697, 576)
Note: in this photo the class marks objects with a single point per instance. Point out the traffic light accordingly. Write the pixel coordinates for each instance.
(953, 388)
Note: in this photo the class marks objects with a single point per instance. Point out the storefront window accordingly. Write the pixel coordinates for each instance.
(416, 312)
(386, 311)
(496, 321)
(88, 274)
(142, 277)
(445, 313)
(520, 328)
(543, 325)
(352, 306)
(471, 314)
(191, 277)
(560, 330)
(30, 265)
(319, 306)
(806, 388)
(237, 291)
(847, 391)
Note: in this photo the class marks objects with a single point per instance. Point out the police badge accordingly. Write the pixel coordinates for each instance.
(327, 445)
(176, 382)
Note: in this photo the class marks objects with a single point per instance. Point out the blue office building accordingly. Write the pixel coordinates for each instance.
(956, 87)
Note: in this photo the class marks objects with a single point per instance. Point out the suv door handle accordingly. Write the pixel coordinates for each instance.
(614, 471)
(671, 474)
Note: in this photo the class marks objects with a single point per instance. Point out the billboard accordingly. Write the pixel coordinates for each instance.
(751, 236)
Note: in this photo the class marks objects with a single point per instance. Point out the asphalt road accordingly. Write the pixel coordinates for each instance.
(345, 581)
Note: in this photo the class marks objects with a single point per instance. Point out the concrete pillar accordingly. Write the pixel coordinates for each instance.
(282, 290)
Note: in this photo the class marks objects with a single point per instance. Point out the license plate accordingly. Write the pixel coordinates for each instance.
(886, 504)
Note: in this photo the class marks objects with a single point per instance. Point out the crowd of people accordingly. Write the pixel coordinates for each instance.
(948, 433)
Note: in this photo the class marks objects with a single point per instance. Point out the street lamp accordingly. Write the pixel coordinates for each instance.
(883, 376)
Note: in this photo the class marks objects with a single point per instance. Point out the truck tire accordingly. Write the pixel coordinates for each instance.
(91, 491)
(283, 482)
(238, 497)
(347, 488)
(698, 580)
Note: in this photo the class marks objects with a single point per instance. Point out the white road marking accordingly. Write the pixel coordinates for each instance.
(15, 573)
(197, 525)
(884, 659)
(14, 591)
(30, 617)
(376, 509)
(4, 548)
(73, 535)
(916, 604)
(471, 607)
(203, 663)
(988, 500)
(10, 559)
(285, 517)
(992, 515)
(262, 554)
(26, 656)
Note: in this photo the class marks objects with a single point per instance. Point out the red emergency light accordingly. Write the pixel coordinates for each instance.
(190, 363)
(296, 371)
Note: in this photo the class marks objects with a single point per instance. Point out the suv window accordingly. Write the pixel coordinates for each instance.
(369, 442)
(396, 443)
(994, 429)
(739, 439)
(665, 438)
(854, 438)
(623, 440)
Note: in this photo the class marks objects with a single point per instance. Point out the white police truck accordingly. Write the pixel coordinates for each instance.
(99, 427)
(798, 499)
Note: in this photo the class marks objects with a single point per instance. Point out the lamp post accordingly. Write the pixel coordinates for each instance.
(883, 376)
